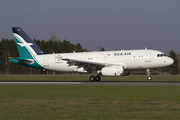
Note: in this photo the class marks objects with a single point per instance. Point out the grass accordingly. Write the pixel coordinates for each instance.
(89, 102)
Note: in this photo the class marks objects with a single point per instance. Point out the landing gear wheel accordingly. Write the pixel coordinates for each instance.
(92, 78)
(97, 78)
(149, 77)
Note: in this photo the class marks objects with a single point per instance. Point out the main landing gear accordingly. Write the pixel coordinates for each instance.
(148, 73)
(94, 78)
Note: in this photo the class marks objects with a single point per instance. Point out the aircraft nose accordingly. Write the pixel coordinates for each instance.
(170, 61)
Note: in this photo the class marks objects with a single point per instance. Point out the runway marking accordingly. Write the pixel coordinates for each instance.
(40, 83)
(136, 83)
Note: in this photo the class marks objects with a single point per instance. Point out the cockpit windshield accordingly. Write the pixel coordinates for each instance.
(161, 55)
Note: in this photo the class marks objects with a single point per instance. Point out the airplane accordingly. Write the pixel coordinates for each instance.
(105, 63)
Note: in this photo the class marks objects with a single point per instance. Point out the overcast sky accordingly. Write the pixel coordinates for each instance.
(112, 24)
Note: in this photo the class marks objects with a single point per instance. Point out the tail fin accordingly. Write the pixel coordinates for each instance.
(26, 46)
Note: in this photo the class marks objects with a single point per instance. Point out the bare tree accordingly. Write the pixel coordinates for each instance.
(54, 38)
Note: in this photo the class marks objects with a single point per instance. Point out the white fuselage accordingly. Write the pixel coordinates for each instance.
(130, 59)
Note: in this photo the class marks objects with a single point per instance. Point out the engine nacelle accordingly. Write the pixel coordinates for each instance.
(112, 71)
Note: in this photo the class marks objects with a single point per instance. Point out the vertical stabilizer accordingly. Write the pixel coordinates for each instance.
(26, 46)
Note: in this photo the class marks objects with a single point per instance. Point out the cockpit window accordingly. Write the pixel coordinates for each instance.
(161, 55)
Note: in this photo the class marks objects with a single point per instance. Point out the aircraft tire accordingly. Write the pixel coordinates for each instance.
(92, 78)
(97, 78)
(149, 78)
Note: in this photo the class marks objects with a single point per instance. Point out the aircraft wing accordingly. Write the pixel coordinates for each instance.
(86, 64)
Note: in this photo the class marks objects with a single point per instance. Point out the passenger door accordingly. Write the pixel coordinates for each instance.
(148, 56)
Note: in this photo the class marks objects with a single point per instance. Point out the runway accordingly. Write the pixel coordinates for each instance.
(110, 83)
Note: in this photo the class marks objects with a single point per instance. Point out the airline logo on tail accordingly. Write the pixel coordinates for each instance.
(25, 44)
(20, 41)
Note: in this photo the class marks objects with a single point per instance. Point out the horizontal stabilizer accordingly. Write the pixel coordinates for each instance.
(27, 61)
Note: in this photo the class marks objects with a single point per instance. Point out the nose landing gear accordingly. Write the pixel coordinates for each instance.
(148, 73)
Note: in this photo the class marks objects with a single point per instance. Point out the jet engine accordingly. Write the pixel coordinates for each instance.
(112, 71)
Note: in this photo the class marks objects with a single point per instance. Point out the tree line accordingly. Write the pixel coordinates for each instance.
(8, 49)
